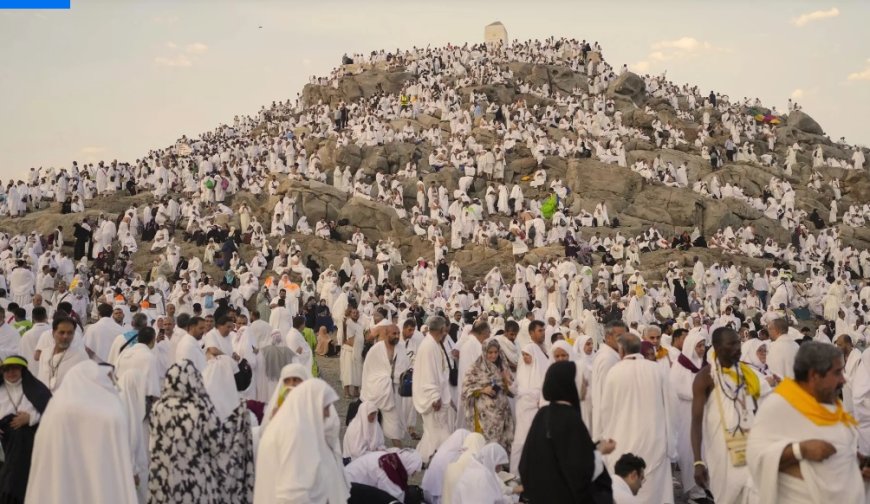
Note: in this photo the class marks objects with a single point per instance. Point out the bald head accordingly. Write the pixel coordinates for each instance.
(390, 334)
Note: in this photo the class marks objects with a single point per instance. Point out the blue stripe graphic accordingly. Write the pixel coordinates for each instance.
(34, 4)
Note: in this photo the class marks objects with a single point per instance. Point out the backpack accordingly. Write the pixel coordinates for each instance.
(244, 376)
(208, 302)
(224, 184)
(532, 232)
(406, 383)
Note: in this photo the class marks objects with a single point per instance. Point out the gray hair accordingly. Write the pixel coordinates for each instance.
(815, 356)
(436, 323)
(651, 329)
(630, 343)
(139, 321)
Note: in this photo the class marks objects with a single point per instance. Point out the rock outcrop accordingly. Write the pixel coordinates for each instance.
(637, 203)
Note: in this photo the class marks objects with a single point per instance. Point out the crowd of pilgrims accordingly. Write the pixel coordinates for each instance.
(170, 385)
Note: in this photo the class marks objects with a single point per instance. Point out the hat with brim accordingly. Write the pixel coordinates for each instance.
(13, 360)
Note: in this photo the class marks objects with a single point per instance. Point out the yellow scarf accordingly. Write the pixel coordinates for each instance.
(809, 407)
(753, 385)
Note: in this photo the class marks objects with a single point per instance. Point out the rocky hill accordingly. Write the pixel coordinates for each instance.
(637, 202)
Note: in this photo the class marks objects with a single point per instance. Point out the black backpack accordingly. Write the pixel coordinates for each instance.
(243, 377)
(406, 383)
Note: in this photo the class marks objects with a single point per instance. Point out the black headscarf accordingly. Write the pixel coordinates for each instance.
(558, 460)
(559, 383)
(34, 390)
(18, 443)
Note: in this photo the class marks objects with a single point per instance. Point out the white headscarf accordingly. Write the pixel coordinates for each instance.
(363, 436)
(530, 377)
(689, 345)
(448, 452)
(564, 346)
(749, 354)
(479, 482)
(492, 455)
(294, 370)
(472, 444)
(297, 463)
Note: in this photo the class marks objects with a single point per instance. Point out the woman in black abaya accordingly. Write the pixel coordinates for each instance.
(22, 402)
(559, 460)
(681, 296)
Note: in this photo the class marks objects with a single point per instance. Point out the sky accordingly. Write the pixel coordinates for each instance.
(112, 79)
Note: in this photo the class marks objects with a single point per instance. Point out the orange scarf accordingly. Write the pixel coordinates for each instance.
(809, 407)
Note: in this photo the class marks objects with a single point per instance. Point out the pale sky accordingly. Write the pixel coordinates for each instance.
(111, 79)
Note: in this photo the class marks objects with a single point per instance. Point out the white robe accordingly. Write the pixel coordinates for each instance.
(9, 341)
(190, 349)
(379, 378)
(140, 358)
(296, 342)
(448, 452)
(221, 386)
(350, 360)
(431, 385)
(100, 335)
(362, 436)
(604, 361)
(635, 412)
(479, 482)
(861, 402)
(296, 436)
(530, 382)
(54, 368)
(853, 367)
(729, 484)
(82, 448)
(132, 390)
(835, 480)
(780, 356)
(366, 470)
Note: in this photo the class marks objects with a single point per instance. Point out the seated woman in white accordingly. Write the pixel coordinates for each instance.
(302, 226)
(78, 205)
(321, 229)
(161, 240)
(210, 251)
(364, 434)
(540, 178)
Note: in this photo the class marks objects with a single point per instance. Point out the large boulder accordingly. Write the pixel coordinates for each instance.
(666, 207)
(629, 85)
(520, 167)
(495, 93)
(354, 87)
(592, 181)
(313, 199)
(803, 122)
(376, 221)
